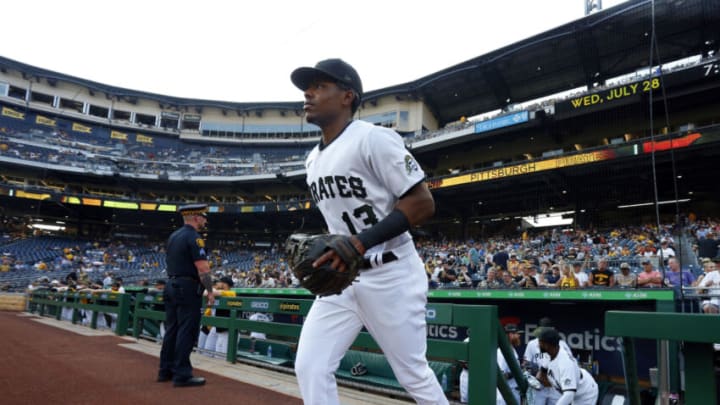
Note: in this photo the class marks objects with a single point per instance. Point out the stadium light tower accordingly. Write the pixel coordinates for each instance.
(592, 5)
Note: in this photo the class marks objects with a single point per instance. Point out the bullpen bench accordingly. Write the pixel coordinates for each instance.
(380, 374)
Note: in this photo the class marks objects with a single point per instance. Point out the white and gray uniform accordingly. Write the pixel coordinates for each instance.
(547, 395)
(512, 383)
(258, 316)
(356, 181)
(568, 378)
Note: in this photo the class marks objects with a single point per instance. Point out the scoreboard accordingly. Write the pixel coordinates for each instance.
(632, 92)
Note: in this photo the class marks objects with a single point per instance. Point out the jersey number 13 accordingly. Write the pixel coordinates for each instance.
(364, 212)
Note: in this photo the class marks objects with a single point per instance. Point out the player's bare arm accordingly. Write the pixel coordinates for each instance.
(417, 204)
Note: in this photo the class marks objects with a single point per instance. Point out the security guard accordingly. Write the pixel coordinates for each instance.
(188, 275)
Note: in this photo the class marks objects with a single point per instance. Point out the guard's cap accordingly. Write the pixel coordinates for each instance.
(194, 209)
(549, 335)
(336, 69)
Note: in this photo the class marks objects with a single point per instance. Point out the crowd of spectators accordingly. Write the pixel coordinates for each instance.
(628, 257)
(50, 147)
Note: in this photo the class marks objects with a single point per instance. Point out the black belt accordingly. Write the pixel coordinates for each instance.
(387, 257)
(184, 278)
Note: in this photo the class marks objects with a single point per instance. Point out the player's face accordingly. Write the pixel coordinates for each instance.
(324, 102)
(514, 338)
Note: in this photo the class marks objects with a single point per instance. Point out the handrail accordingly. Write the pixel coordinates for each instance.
(697, 331)
(47, 301)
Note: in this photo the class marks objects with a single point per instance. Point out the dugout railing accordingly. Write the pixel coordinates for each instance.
(480, 353)
(80, 304)
(695, 332)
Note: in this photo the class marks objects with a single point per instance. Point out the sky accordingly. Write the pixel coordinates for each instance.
(245, 50)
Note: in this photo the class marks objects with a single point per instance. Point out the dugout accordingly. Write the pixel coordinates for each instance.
(579, 315)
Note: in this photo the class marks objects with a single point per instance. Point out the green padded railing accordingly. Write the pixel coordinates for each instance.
(697, 331)
(51, 303)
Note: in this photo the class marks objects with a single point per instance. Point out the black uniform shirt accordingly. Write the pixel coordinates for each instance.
(185, 246)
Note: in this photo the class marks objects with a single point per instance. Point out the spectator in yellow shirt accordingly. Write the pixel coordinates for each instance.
(568, 280)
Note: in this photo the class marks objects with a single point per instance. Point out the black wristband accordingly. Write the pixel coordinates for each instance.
(391, 226)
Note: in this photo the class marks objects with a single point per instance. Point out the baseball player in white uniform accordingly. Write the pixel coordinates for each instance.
(534, 358)
(258, 316)
(513, 335)
(576, 385)
(366, 184)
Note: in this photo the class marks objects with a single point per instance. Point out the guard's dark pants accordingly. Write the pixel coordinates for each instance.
(183, 302)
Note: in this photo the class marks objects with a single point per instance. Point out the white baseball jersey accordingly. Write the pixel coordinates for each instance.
(547, 395)
(505, 368)
(357, 179)
(564, 374)
(258, 316)
(533, 355)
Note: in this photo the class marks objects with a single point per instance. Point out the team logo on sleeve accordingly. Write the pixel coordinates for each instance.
(410, 165)
(200, 242)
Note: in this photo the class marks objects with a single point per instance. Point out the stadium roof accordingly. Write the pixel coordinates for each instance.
(606, 44)
(600, 46)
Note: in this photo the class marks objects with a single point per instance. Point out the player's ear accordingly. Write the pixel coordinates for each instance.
(348, 98)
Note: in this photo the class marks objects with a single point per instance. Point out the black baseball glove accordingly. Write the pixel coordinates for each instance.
(303, 249)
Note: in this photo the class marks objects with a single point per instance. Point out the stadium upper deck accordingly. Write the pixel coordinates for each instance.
(594, 49)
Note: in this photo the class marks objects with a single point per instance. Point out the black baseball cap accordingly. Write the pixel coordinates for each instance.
(550, 336)
(227, 280)
(336, 69)
(512, 328)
